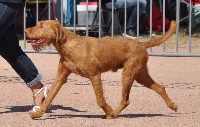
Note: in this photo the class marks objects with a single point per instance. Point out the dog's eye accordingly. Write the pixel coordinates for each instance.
(40, 26)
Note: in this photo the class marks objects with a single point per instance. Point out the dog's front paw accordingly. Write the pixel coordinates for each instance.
(109, 116)
(115, 114)
(37, 114)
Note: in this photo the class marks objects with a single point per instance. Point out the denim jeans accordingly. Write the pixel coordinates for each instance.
(9, 44)
(132, 21)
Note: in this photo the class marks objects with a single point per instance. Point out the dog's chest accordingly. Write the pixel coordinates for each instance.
(77, 68)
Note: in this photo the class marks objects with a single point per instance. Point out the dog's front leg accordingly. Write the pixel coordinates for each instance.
(97, 86)
(61, 78)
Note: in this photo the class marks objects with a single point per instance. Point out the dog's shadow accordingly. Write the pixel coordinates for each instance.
(11, 109)
(103, 116)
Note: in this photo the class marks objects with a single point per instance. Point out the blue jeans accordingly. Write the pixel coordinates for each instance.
(9, 44)
(132, 21)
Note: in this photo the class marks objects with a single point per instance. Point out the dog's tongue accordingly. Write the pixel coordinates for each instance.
(30, 41)
(35, 41)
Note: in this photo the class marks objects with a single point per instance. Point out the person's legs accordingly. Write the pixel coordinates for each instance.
(9, 14)
(132, 21)
(121, 4)
(12, 52)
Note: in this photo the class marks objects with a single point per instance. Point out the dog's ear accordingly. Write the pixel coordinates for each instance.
(59, 31)
(56, 21)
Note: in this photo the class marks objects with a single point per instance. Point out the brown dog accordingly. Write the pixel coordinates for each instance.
(89, 57)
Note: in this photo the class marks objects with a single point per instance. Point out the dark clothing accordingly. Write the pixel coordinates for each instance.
(12, 1)
(9, 43)
(132, 5)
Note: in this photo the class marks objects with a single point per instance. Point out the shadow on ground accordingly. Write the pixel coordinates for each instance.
(103, 117)
(11, 109)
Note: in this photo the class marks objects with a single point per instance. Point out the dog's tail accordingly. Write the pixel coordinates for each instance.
(157, 41)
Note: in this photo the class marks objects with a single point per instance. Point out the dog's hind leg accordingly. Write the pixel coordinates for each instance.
(128, 76)
(145, 79)
(97, 86)
(61, 78)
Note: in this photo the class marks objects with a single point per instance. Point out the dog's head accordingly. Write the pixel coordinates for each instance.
(44, 33)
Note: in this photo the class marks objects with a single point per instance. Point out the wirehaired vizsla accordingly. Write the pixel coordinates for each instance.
(89, 57)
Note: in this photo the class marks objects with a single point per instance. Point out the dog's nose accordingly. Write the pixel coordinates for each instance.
(25, 31)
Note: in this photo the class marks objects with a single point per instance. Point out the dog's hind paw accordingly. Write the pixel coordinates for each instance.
(173, 106)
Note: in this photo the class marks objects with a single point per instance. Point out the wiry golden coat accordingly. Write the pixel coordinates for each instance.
(89, 57)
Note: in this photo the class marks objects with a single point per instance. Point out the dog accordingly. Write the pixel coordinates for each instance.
(89, 57)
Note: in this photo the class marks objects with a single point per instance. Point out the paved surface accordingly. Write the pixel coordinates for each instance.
(75, 104)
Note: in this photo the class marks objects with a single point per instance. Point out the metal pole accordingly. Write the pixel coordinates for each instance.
(49, 9)
(100, 14)
(177, 21)
(74, 16)
(112, 30)
(61, 12)
(189, 27)
(24, 25)
(37, 11)
(138, 19)
(125, 16)
(151, 22)
(87, 18)
(163, 23)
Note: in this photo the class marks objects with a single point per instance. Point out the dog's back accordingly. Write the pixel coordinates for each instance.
(109, 53)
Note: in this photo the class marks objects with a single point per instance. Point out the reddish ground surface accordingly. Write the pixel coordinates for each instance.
(75, 104)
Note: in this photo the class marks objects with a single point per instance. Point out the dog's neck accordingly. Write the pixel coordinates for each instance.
(62, 38)
(70, 34)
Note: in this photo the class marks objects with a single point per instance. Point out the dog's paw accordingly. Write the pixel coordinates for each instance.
(109, 116)
(115, 113)
(173, 106)
(35, 115)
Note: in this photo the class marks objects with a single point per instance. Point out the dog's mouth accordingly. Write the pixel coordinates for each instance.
(36, 43)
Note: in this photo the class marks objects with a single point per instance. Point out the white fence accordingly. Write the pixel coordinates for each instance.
(183, 43)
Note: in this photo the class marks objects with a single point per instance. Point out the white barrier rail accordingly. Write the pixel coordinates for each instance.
(181, 44)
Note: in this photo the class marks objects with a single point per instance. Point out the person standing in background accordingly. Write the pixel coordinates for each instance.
(131, 27)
